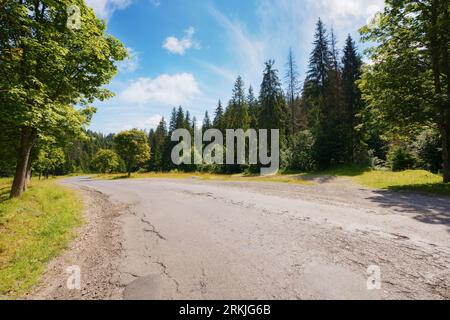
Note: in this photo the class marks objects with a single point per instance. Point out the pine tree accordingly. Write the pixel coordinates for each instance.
(206, 122)
(253, 108)
(293, 89)
(218, 117)
(180, 122)
(173, 120)
(158, 145)
(272, 102)
(351, 72)
(237, 116)
(319, 62)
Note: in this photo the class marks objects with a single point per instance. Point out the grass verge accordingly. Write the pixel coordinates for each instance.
(285, 178)
(33, 229)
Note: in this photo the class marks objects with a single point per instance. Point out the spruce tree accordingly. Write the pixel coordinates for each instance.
(351, 72)
(218, 117)
(253, 110)
(206, 122)
(272, 102)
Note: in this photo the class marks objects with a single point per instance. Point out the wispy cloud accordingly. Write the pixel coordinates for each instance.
(105, 8)
(179, 46)
(131, 63)
(221, 71)
(283, 24)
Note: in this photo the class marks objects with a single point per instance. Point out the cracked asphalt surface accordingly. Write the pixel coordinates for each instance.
(195, 239)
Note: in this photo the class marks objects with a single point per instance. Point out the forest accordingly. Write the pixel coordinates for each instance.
(390, 112)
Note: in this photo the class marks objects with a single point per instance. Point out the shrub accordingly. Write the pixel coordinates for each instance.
(106, 161)
(300, 154)
(401, 158)
(428, 148)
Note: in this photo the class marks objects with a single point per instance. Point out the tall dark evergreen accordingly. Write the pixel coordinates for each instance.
(158, 142)
(351, 72)
(271, 98)
(206, 122)
(237, 115)
(253, 108)
(218, 122)
(319, 61)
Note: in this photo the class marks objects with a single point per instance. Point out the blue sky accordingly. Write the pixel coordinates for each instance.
(189, 52)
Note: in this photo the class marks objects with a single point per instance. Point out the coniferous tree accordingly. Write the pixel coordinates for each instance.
(157, 146)
(218, 122)
(253, 108)
(237, 116)
(272, 102)
(319, 62)
(293, 89)
(206, 122)
(351, 72)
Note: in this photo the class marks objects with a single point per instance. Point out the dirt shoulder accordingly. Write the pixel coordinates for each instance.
(96, 251)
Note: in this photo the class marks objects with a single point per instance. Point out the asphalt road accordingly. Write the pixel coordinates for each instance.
(194, 239)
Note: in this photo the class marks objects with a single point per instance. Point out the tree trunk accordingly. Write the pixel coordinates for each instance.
(27, 140)
(27, 176)
(445, 132)
(446, 70)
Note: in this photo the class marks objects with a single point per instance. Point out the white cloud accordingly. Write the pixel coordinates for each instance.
(165, 89)
(134, 123)
(105, 8)
(285, 24)
(343, 13)
(131, 63)
(179, 46)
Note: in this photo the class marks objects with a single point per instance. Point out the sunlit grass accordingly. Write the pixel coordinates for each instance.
(291, 178)
(33, 229)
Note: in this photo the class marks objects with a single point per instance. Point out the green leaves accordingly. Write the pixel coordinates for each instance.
(133, 147)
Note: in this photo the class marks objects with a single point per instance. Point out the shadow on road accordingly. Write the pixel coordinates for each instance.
(427, 209)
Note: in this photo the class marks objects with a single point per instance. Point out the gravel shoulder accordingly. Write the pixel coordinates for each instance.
(96, 251)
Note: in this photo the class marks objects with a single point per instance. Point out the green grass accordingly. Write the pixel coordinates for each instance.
(33, 229)
(413, 180)
(410, 180)
(285, 178)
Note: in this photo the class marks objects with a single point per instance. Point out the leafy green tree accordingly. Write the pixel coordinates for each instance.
(407, 87)
(106, 161)
(132, 146)
(49, 158)
(47, 68)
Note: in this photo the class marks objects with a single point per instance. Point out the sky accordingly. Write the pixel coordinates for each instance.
(189, 53)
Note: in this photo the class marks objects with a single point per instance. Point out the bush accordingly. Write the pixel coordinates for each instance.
(401, 158)
(300, 154)
(106, 161)
(428, 149)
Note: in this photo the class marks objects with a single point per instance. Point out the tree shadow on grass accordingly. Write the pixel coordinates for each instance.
(4, 193)
(418, 201)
